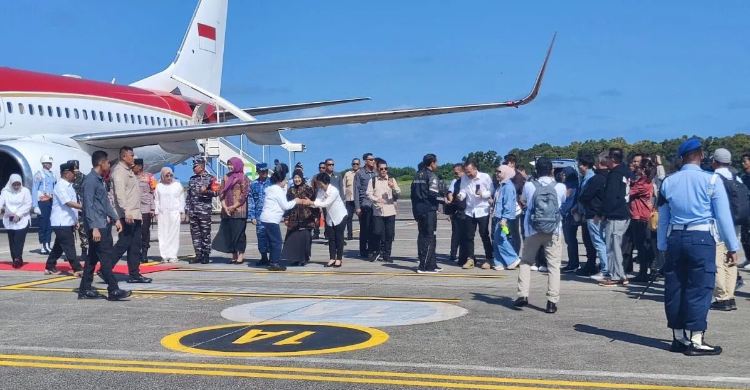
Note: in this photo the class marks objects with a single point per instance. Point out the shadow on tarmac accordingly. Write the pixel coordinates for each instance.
(624, 337)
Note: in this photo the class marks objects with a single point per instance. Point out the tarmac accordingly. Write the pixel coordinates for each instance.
(364, 325)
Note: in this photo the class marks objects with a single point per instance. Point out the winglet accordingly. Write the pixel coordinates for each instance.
(532, 95)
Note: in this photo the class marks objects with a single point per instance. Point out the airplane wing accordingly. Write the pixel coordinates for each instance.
(257, 111)
(267, 132)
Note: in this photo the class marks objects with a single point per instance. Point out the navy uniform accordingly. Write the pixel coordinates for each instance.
(77, 183)
(202, 188)
(255, 199)
(425, 194)
(694, 214)
(41, 196)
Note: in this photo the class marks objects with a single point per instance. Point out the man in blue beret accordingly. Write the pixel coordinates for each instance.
(694, 214)
(255, 199)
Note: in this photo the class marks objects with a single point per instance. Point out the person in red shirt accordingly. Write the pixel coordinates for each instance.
(641, 191)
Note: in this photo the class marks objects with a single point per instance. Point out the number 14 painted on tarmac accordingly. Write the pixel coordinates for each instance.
(258, 334)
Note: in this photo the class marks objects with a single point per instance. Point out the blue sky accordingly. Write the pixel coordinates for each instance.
(636, 69)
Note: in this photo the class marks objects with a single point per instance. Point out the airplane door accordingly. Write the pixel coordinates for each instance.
(2, 113)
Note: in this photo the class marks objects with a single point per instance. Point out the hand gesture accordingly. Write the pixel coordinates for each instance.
(118, 226)
(358, 211)
(731, 259)
(96, 236)
(15, 218)
(392, 184)
(129, 219)
(254, 222)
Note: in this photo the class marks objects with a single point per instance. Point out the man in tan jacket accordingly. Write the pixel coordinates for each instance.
(128, 207)
(349, 196)
(383, 191)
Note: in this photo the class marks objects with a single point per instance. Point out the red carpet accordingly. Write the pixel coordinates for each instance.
(64, 267)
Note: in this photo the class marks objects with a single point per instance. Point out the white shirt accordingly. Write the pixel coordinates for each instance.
(476, 206)
(528, 195)
(18, 203)
(62, 214)
(724, 171)
(275, 205)
(331, 201)
(169, 197)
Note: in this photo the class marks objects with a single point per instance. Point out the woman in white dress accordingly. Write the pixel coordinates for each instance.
(15, 202)
(169, 205)
(329, 198)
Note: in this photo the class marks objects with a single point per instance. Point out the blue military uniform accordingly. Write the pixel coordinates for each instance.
(43, 187)
(694, 214)
(255, 199)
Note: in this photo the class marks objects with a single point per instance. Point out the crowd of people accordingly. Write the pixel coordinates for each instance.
(683, 225)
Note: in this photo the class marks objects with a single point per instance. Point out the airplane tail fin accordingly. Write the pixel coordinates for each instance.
(201, 55)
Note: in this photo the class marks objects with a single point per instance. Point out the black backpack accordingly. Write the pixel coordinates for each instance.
(739, 200)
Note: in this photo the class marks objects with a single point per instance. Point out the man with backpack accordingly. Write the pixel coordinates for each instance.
(542, 226)
(616, 216)
(739, 204)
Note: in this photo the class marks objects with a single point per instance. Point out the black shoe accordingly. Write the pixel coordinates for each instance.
(139, 279)
(702, 350)
(117, 295)
(90, 294)
(521, 302)
(569, 269)
(586, 272)
(388, 260)
(641, 278)
(195, 260)
(678, 346)
(374, 257)
(349, 238)
(721, 306)
(276, 267)
(551, 308)
(733, 304)
(453, 258)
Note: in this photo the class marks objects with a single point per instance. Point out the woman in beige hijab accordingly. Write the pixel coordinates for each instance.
(169, 209)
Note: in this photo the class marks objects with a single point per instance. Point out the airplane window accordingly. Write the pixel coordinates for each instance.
(59, 113)
(118, 117)
(126, 117)
(49, 110)
(67, 112)
(75, 112)
(85, 114)
(10, 108)
(170, 122)
(31, 109)
(132, 118)
(109, 114)
(101, 116)
(93, 115)
(139, 120)
(20, 108)
(158, 121)
(41, 110)
(153, 122)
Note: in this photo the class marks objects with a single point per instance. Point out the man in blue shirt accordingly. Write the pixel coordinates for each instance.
(41, 197)
(255, 200)
(694, 214)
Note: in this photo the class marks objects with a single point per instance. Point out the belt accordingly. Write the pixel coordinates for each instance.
(699, 228)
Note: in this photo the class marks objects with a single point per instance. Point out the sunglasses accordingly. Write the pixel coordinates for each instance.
(330, 165)
(353, 164)
(369, 159)
(383, 169)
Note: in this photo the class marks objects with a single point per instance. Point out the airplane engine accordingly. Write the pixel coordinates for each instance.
(22, 156)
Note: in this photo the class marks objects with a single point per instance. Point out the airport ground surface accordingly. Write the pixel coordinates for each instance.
(391, 328)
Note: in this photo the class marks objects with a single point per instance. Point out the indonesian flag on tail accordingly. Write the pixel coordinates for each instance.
(207, 37)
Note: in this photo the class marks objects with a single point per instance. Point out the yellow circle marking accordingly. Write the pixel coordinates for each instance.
(173, 341)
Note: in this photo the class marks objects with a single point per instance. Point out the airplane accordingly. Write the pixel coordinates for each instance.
(161, 116)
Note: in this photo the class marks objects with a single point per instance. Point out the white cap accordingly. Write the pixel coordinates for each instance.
(46, 159)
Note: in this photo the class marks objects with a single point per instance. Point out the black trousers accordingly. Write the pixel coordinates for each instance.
(129, 240)
(514, 227)
(426, 240)
(590, 249)
(384, 231)
(16, 240)
(457, 231)
(145, 236)
(99, 252)
(349, 218)
(483, 223)
(642, 242)
(65, 243)
(336, 241)
(366, 242)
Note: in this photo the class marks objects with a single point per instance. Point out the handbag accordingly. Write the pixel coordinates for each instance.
(653, 221)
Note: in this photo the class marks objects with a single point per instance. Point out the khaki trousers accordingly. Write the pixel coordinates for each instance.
(726, 277)
(553, 252)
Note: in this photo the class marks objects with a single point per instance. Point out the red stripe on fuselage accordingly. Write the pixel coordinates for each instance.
(206, 31)
(26, 81)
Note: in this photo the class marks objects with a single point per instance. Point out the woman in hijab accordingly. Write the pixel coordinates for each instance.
(505, 257)
(570, 225)
(169, 209)
(15, 202)
(300, 221)
(233, 194)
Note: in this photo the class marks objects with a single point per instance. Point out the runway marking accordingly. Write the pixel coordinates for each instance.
(274, 338)
(22, 286)
(256, 295)
(333, 273)
(318, 374)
